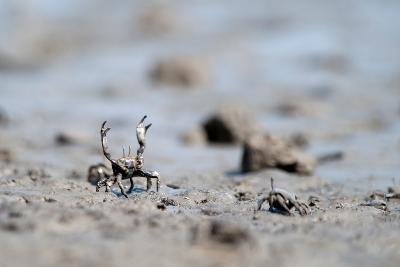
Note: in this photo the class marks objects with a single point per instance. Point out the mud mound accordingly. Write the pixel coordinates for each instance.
(266, 151)
(181, 72)
(231, 124)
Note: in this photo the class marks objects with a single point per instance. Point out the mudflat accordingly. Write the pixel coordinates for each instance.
(321, 77)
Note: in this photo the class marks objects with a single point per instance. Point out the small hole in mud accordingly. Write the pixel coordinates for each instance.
(161, 206)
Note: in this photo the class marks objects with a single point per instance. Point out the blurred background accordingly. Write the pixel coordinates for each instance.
(328, 70)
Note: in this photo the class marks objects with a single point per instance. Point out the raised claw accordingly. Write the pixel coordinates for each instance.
(104, 130)
(142, 120)
(141, 131)
(148, 126)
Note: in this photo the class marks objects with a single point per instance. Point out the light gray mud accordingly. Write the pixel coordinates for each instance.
(47, 221)
(326, 70)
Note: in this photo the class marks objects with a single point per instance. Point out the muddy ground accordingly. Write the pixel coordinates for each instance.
(326, 70)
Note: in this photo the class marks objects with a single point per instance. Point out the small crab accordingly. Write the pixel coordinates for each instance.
(129, 166)
(98, 172)
(282, 201)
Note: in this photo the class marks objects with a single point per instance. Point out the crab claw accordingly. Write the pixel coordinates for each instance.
(141, 132)
(147, 127)
(140, 124)
(142, 120)
(104, 130)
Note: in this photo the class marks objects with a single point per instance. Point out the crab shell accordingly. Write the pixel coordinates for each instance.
(289, 196)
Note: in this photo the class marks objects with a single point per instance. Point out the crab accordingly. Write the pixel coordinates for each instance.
(98, 172)
(127, 167)
(282, 201)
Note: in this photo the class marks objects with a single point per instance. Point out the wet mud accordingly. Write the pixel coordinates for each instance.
(320, 77)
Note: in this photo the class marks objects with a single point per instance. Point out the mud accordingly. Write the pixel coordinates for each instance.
(327, 70)
(231, 124)
(265, 151)
(55, 220)
(181, 72)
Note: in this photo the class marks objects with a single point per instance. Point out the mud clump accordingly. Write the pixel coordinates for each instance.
(17, 226)
(394, 189)
(376, 203)
(380, 199)
(173, 186)
(244, 196)
(194, 136)
(165, 202)
(37, 174)
(161, 206)
(66, 138)
(222, 233)
(266, 151)
(329, 157)
(314, 202)
(228, 234)
(289, 109)
(230, 125)
(6, 155)
(169, 201)
(299, 140)
(63, 139)
(393, 192)
(157, 20)
(183, 72)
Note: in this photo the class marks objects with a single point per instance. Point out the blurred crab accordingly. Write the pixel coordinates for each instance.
(282, 201)
(98, 172)
(129, 166)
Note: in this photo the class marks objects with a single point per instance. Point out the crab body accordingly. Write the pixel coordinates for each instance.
(129, 166)
(283, 201)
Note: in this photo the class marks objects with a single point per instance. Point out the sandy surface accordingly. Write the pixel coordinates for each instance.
(329, 71)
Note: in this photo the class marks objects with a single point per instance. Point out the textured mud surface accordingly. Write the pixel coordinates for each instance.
(324, 76)
(49, 221)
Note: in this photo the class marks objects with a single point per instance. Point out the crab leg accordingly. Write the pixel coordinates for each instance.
(149, 175)
(261, 202)
(302, 208)
(278, 203)
(132, 185)
(121, 187)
